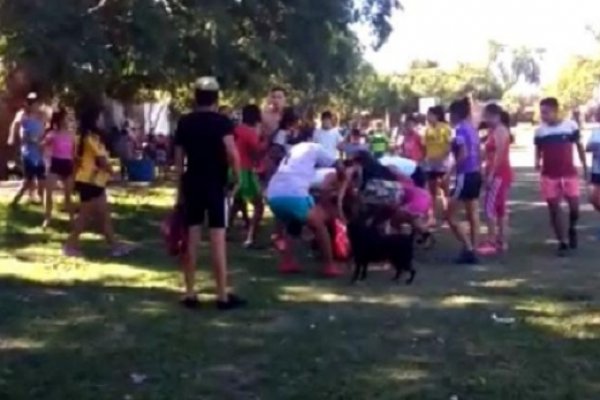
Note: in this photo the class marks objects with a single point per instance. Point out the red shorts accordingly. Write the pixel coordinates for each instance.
(559, 188)
(496, 196)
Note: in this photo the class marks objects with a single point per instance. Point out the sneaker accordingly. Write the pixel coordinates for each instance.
(487, 249)
(563, 250)
(233, 302)
(332, 271)
(573, 242)
(466, 257)
(289, 267)
(189, 302)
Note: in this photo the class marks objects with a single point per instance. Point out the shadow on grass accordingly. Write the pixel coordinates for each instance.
(296, 341)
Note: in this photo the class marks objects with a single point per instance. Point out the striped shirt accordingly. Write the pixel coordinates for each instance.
(556, 142)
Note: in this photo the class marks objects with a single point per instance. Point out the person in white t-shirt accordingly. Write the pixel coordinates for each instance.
(406, 167)
(288, 196)
(328, 135)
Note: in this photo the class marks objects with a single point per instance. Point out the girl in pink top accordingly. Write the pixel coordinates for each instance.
(498, 178)
(412, 145)
(60, 142)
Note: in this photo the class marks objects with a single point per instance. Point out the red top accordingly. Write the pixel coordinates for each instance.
(503, 170)
(412, 147)
(249, 146)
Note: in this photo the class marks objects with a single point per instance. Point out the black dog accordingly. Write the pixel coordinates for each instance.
(370, 245)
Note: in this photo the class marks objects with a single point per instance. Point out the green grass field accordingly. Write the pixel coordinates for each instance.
(112, 329)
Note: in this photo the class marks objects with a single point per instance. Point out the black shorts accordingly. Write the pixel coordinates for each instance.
(595, 179)
(467, 186)
(88, 192)
(32, 170)
(418, 177)
(201, 202)
(61, 167)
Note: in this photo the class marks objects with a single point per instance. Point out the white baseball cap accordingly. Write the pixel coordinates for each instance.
(208, 84)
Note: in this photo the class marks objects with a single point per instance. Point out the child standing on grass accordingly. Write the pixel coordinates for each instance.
(251, 146)
(61, 143)
(92, 173)
(498, 178)
(437, 141)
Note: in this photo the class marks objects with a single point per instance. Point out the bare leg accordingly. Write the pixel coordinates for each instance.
(68, 188)
(48, 202)
(103, 213)
(455, 226)
(41, 187)
(573, 203)
(472, 211)
(556, 220)
(218, 250)
(189, 262)
(26, 186)
(433, 190)
(317, 222)
(257, 216)
(79, 224)
(502, 238)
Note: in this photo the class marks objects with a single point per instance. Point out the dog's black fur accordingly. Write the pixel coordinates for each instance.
(370, 245)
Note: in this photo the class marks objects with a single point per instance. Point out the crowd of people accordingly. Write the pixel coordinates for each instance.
(314, 177)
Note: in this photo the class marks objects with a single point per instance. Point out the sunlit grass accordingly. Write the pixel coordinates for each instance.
(81, 328)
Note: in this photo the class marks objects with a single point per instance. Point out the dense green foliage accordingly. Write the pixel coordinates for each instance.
(577, 81)
(126, 47)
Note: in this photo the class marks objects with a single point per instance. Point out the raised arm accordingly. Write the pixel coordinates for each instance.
(15, 128)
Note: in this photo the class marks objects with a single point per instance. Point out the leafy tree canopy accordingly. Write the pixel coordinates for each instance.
(128, 47)
(576, 82)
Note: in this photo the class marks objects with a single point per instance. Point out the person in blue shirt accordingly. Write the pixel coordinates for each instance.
(30, 125)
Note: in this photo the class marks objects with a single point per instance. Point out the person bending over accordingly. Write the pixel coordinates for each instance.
(387, 193)
(290, 201)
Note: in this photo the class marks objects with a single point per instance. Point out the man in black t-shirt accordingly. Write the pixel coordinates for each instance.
(205, 139)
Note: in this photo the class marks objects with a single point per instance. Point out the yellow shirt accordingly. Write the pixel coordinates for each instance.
(437, 141)
(87, 168)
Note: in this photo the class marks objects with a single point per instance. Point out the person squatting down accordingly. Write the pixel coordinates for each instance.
(288, 196)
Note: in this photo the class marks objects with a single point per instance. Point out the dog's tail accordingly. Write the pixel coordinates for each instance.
(411, 276)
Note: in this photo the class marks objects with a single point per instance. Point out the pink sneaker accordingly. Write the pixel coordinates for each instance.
(487, 249)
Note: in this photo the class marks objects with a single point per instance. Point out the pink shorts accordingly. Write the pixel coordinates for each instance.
(496, 197)
(417, 201)
(559, 188)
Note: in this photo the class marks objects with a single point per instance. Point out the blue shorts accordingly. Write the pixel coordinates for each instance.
(291, 209)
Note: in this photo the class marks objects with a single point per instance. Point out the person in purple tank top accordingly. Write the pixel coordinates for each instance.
(467, 179)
